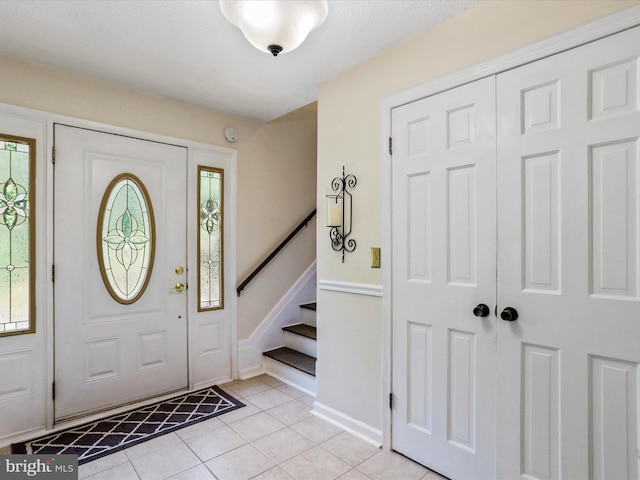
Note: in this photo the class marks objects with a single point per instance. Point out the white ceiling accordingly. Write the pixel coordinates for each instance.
(186, 50)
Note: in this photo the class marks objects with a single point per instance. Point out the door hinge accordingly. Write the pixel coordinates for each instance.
(53, 155)
(53, 390)
(390, 401)
(53, 273)
(390, 146)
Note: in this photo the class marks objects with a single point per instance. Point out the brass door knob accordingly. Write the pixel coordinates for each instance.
(179, 287)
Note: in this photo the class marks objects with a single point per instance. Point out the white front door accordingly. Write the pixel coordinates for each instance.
(569, 264)
(444, 269)
(110, 348)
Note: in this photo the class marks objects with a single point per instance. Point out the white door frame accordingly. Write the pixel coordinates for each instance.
(595, 30)
(197, 153)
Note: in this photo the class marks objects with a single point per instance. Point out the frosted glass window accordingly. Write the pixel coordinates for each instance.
(210, 238)
(17, 235)
(126, 238)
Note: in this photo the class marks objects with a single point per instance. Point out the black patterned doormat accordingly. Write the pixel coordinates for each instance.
(109, 435)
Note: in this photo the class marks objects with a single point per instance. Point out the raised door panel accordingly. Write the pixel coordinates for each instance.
(614, 418)
(419, 395)
(540, 397)
(541, 216)
(419, 227)
(462, 389)
(461, 227)
(614, 219)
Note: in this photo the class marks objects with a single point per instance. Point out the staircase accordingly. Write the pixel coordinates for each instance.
(295, 362)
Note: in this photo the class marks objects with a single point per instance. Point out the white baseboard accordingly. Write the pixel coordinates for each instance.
(251, 372)
(210, 383)
(355, 427)
(24, 436)
(269, 334)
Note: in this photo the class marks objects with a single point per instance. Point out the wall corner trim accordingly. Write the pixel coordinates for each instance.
(350, 287)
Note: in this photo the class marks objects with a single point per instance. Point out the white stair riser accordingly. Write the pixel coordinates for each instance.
(301, 344)
(308, 316)
(290, 375)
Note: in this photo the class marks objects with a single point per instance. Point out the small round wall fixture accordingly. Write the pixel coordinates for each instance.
(230, 134)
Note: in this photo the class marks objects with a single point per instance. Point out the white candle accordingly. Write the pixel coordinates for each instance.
(334, 214)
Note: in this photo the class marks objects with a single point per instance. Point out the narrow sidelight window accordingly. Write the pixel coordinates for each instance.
(17, 235)
(210, 238)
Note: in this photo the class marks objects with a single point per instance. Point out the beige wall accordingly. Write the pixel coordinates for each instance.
(349, 133)
(276, 162)
(277, 189)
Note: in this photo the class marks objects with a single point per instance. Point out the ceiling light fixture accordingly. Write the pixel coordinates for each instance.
(275, 26)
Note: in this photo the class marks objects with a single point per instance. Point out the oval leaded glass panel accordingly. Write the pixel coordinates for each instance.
(126, 238)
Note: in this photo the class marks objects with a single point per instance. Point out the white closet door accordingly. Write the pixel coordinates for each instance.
(568, 262)
(444, 265)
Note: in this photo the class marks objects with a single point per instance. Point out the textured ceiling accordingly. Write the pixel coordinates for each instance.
(186, 50)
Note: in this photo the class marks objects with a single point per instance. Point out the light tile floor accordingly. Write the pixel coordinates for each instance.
(275, 437)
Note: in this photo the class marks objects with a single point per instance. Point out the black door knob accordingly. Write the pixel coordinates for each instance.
(481, 310)
(509, 314)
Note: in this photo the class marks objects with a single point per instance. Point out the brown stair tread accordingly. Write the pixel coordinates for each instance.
(293, 358)
(302, 329)
(309, 306)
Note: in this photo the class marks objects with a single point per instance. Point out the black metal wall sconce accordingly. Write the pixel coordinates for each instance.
(340, 213)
